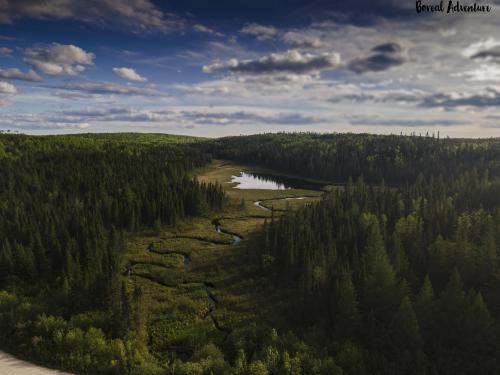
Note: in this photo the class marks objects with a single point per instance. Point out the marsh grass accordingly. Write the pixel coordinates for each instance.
(177, 297)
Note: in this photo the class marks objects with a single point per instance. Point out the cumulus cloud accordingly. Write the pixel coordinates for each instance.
(103, 88)
(259, 31)
(134, 15)
(7, 88)
(484, 72)
(385, 56)
(301, 40)
(478, 47)
(58, 59)
(489, 97)
(492, 54)
(14, 73)
(485, 50)
(129, 74)
(287, 62)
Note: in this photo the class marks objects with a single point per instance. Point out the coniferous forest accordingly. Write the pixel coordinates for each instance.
(394, 269)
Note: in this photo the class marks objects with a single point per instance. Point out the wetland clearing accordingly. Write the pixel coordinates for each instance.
(190, 274)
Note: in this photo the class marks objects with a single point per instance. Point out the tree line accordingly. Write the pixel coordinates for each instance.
(336, 157)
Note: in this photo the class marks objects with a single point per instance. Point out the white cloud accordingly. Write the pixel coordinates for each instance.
(259, 31)
(58, 59)
(486, 97)
(484, 72)
(7, 88)
(129, 74)
(483, 44)
(14, 73)
(287, 62)
(301, 40)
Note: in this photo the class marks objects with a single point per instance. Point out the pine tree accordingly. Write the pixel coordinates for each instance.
(450, 309)
(406, 341)
(379, 288)
(6, 260)
(345, 310)
(424, 307)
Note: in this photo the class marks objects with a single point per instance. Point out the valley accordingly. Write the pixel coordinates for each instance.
(192, 275)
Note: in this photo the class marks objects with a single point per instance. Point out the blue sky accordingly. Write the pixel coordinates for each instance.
(241, 67)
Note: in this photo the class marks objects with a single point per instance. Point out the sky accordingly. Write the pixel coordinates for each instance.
(218, 68)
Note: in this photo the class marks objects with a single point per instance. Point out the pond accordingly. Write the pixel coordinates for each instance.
(263, 181)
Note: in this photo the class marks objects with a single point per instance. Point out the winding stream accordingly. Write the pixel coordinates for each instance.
(259, 203)
(236, 239)
(244, 181)
(209, 286)
(186, 256)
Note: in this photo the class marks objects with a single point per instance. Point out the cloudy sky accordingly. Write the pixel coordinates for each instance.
(226, 67)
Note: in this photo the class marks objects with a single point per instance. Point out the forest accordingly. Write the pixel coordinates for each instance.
(393, 270)
(66, 203)
(377, 158)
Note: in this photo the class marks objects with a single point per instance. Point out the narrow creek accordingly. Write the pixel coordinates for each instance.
(186, 256)
(261, 206)
(209, 286)
(214, 302)
(218, 228)
(257, 203)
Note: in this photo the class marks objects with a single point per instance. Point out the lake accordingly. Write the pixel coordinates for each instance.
(263, 181)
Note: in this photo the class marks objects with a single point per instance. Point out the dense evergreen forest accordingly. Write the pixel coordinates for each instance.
(336, 157)
(390, 280)
(394, 281)
(394, 271)
(65, 203)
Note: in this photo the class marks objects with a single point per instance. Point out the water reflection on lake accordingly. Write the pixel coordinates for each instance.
(253, 181)
(268, 181)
